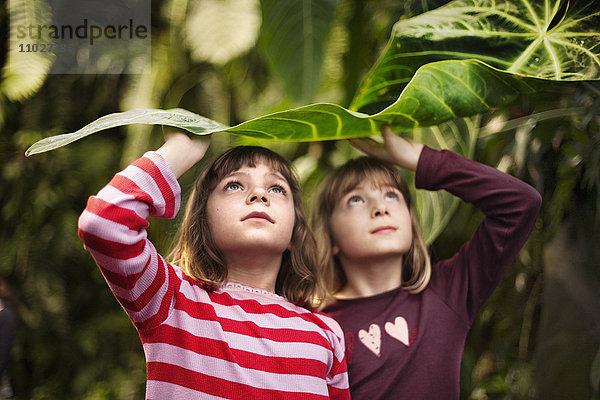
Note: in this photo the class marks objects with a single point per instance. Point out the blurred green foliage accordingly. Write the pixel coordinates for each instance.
(536, 338)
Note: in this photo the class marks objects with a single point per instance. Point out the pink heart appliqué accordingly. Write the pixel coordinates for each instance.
(398, 330)
(371, 339)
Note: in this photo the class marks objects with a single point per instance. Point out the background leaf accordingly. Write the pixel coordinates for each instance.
(293, 36)
(436, 208)
(219, 31)
(25, 71)
(595, 375)
(555, 40)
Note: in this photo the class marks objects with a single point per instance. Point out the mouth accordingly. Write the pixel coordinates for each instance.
(384, 229)
(257, 216)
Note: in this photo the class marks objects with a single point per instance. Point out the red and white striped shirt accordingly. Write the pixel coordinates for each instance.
(236, 342)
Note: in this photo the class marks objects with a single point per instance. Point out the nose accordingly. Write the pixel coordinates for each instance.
(379, 210)
(258, 195)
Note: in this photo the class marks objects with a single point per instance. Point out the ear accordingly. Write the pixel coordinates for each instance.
(335, 250)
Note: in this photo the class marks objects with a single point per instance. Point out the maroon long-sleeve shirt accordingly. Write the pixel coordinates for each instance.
(409, 346)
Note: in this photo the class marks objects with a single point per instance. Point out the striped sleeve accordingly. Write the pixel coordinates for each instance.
(112, 228)
(337, 377)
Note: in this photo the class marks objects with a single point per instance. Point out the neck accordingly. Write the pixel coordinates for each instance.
(255, 270)
(371, 277)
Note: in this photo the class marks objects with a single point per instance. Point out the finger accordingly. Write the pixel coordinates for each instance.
(386, 129)
(366, 145)
(365, 141)
(373, 149)
(387, 133)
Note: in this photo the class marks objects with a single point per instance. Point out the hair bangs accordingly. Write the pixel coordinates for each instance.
(248, 156)
(361, 170)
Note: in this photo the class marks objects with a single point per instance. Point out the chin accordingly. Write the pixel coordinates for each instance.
(393, 252)
(263, 245)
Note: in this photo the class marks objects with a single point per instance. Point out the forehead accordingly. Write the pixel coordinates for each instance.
(239, 161)
(260, 169)
(367, 180)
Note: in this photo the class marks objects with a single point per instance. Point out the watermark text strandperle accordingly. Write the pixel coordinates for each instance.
(83, 31)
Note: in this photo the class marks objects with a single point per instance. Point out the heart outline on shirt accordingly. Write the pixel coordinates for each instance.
(398, 330)
(371, 339)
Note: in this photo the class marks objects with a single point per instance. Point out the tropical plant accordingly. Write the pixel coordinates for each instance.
(550, 140)
(538, 47)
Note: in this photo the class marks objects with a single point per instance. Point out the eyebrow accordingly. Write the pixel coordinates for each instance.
(270, 174)
(361, 188)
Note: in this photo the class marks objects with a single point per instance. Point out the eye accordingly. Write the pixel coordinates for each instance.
(354, 200)
(232, 186)
(278, 189)
(391, 196)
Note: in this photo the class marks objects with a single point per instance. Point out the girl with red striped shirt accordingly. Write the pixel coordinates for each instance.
(232, 316)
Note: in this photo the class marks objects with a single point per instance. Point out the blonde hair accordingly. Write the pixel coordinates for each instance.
(197, 254)
(416, 265)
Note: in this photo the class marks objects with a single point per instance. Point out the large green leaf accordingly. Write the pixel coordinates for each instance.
(177, 117)
(439, 92)
(293, 35)
(555, 40)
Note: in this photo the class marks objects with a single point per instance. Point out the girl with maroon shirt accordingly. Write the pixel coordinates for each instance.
(405, 321)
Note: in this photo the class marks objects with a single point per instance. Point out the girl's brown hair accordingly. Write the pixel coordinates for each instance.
(416, 265)
(198, 255)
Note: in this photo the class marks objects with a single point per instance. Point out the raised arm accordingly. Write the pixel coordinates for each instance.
(511, 207)
(180, 151)
(113, 228)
